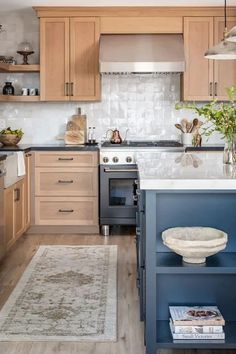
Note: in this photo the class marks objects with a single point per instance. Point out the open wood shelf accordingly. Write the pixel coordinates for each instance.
(164, 338)
(171, 263)
(19, 68)
(9, 98)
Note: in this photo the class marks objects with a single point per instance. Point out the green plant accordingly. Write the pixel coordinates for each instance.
(220, 116)
(17, 132)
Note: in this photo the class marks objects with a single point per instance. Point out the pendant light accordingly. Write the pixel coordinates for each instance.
(231, 36)
(225, 50)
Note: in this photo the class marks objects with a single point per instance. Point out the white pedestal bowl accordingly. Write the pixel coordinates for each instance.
(194, 244)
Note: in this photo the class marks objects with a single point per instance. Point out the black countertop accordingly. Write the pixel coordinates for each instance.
(63, 147)
(205, 148)
(49, 147)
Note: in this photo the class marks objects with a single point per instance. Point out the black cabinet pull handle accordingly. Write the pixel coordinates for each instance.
(211, 88)
(71, 89)
(216, 88)
(66, 210)
(67, 89)
(65, 158)
(61, 181)
(17, 191)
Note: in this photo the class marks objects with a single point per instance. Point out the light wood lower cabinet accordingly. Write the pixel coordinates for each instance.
(28, 170)
(61, 182)
(14, 212)
(66, 189)
(65, 159)
(66, 211)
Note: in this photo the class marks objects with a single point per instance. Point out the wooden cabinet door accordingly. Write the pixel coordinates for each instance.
(224, 70)
(84, 63)
(19, 208)
(198, 77)
(54, 59)
(9, 216)
(28, 159)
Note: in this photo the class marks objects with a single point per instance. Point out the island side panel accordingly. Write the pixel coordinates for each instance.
(150, 276)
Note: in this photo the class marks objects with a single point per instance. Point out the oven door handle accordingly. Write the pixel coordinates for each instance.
(110, 170)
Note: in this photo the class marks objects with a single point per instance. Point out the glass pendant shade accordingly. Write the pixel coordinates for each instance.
(222, 51)
(231, 36)
(226, 49)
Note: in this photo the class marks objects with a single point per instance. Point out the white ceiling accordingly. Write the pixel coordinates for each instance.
(20, 4)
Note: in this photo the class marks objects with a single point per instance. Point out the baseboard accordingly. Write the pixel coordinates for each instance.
(60, 229)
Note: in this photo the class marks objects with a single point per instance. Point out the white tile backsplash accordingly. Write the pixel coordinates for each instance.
(144, 104)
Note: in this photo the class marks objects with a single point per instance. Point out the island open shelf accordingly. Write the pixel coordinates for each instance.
(163, 278)
(221, 263)
(164, 338)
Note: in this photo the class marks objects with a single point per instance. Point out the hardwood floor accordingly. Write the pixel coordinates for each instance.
(130, 329)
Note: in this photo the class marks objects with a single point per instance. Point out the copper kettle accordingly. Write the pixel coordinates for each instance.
(114, 136)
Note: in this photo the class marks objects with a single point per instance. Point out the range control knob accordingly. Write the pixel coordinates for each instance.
(115, 159)
(128, 159)
(105, 159)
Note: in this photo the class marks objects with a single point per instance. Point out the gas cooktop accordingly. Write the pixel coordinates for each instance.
(144, 143)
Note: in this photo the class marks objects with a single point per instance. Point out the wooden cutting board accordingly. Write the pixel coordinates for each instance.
(77, 128)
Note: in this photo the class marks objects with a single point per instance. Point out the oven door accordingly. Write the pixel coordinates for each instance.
(118, 204)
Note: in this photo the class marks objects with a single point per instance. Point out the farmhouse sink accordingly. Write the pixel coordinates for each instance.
(10, 167)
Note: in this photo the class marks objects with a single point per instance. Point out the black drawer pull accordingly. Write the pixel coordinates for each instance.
(66, 210)
(65, 158)
(61, 181)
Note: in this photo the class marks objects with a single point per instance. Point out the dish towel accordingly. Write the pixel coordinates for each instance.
(20, 163)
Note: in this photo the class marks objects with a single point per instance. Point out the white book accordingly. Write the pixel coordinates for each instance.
(194, 336)
(196, 329)
(196, 316)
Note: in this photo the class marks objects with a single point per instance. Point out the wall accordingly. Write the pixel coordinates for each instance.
(142, 104)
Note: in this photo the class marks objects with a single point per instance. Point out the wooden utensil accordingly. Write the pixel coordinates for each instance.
(194, 125)
(184, 124)
(179, 126)
(188, 127)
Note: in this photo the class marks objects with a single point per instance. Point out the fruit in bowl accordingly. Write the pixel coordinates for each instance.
(10, 137)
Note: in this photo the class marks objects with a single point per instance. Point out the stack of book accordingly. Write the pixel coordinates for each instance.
(196, 322)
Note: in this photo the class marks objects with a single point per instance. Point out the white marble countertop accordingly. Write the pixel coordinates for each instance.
(185, 171)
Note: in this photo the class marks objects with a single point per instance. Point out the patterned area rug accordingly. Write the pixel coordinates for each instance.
(67, 293)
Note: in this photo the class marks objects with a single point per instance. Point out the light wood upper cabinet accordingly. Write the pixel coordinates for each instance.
(206, 79)
(84, 67)
(69, 59)
(224, 70)
(198, 76)
(54, 59)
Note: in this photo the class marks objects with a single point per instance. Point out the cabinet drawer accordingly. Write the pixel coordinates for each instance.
(66, 159)
(64, 182)
(66, 211)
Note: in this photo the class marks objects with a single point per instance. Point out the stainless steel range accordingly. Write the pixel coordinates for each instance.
(118, 179)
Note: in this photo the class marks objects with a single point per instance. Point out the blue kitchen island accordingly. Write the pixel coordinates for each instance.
(179, 190)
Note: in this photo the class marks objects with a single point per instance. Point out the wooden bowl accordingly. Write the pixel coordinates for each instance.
(9, 139)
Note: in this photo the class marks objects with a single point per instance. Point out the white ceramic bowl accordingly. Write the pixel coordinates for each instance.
(195, 243)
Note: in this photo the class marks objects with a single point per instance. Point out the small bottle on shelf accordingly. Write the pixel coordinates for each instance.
(93, 136)
(90, 135)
